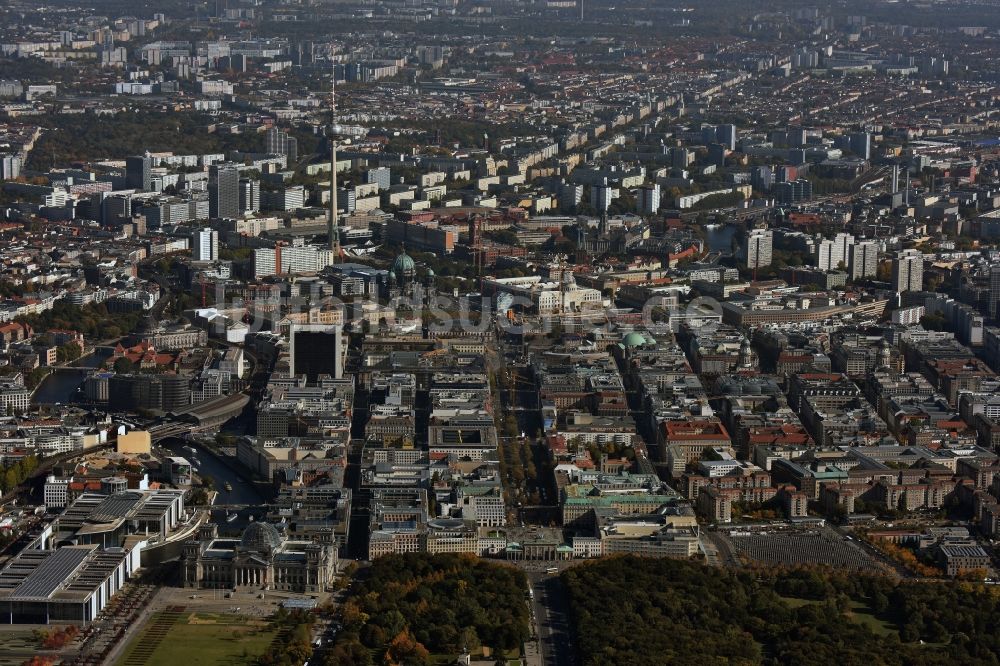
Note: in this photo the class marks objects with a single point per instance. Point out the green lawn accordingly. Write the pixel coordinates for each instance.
(795, 602)
(202, 639)
(860, 613)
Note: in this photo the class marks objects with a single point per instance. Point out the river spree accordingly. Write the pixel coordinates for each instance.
(60, 385)
(720, 238)
(243, 491)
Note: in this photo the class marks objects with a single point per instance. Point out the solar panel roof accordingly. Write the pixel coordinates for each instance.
(50, 574)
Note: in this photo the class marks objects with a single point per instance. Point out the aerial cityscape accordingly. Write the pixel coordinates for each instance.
(499, 332)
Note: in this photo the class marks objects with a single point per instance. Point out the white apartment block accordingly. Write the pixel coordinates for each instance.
(56, 492)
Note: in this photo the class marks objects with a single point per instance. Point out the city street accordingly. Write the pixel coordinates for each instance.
(550, 611)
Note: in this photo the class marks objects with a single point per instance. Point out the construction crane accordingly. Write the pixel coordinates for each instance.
(514, 379)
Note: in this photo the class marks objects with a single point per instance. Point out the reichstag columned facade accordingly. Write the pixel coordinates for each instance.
(262, 558)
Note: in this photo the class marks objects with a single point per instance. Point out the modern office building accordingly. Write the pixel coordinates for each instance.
(601, 197)
(994, 305)
(863, 260)
(116, 208)
(223, 191)
(793, 191)
(681, 158)
(830, 253)
(381, 176)
(138, 172)
(570, 196)
(71, 584)
(756, 249)
(10, 167)
(796, 136)
(908, 271)
(279, 142)
(648, 199)
(162, 393)
(205, 245)
(108, 520)
(285, 198)
(825, 259)
(861, 145)
(762, 178)
(316, 349)
(249, 195)
(73, 568)
(708, 134)
(717, 154)
(290, 259)
(726, 135)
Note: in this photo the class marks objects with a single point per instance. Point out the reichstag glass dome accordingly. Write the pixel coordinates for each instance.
(261, 538)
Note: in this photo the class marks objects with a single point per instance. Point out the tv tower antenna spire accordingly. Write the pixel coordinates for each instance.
(333, 232)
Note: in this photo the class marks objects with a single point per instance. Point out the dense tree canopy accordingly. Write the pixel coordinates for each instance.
(658, 611)
(88, 136)
(93, 320)
(411, 605)
(17, 472)
(293, 645)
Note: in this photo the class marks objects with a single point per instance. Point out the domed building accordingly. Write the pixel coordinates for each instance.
(261, 558)
(633, 340)
(262, 538)
(748, 357)
(402, 280)
(404, 269)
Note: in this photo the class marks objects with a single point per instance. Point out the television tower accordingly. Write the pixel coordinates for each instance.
(333, 232)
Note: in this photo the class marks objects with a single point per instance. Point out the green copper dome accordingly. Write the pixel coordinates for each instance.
(403, 265)
(634, 339)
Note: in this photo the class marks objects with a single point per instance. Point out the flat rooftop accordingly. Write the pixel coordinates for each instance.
(69, 574)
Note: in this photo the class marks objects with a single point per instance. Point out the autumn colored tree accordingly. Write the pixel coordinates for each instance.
(39, 660)
(405, 650)
(349, 653)
(631, 610)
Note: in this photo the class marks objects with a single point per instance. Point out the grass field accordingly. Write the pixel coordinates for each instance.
(795, 602)
(859, 614)
(198, 639)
